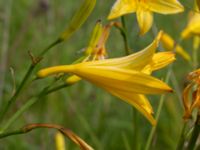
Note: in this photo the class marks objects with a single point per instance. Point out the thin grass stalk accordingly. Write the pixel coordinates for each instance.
(136, 126)
(195, 133)
(181, 141)
(24, 81)
(5, 43)
(123, 31)
(125, 141)
(176, 86)
(161, 102)
(85, 124)
(195, 56)
(30, 102)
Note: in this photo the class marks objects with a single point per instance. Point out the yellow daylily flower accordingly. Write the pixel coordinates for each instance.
(144, 10)
(193, 26)
(169, 44)
(127, 78)
(190, 103)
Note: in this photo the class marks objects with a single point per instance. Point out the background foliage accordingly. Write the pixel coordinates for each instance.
(96, 116)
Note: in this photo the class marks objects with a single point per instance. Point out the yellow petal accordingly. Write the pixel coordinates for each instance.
(125, 80)
(159, 61)
(134, 61)
(186, 102)
(96, 34)
(170, 45)
(165, 6)
(53, 70)
(145, 20)
(139, 101)
(122, 7)
(72, 79)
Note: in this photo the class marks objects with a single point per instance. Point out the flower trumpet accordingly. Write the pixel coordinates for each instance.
(127, 78)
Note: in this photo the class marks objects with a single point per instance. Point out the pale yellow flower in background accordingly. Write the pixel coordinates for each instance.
(144, 10)
(127, 78)
(193, 26)
(60, 141)
(192, 102)
(170, 45)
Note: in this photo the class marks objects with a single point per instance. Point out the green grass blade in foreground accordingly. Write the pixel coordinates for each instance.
(161, 102)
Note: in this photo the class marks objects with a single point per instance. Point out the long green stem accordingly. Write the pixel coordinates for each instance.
(30, 102)
(161, 102)
(124, 35)
(195, 53)
(182, 138)
(123, 32)
(24, 81)
(136, 129)
(5, 32)
(195, 134)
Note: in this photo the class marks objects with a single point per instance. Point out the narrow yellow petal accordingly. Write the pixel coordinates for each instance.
(125, 80)
(72, 79)
(169, 44)
(159, 61)
(53, 70)
(139, 101)
(145, 20)
(96, 34)
(134, 61)
(122, 7)
(165, 6)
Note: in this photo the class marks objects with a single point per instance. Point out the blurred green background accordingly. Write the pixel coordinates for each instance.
(103, 121)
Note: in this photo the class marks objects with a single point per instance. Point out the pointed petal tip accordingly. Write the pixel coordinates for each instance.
(168, 89)
(41, 74)
(171, 91)
(152, 121)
